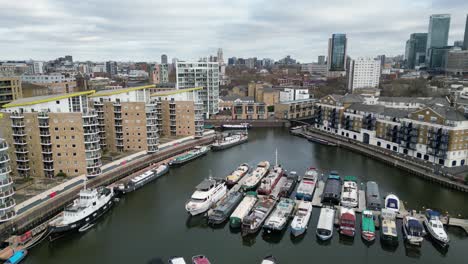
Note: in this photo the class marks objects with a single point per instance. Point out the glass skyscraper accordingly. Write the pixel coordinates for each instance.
(465, 40)
(437, 35)
(337, 52)
(416, 50)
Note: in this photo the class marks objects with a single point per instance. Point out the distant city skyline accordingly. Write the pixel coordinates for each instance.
(141, 31)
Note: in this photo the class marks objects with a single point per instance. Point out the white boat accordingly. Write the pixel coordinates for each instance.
(177, 260)
(242, 126)
(253, 179)
(278, 219)
(301, 218)
(392, 203)
(207, 193)
(325, 223)
(242, 210)
(306, 187)
(233, 178)
(269, 182)
(349, 192)
(413, 230)
(269, 260)
(435, 228)
(143, 179)
(388, 227)
(230, 141)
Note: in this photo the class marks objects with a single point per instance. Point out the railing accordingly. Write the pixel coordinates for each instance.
(6, 181)
(8, 204)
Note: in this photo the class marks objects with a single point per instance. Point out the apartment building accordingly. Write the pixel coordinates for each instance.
(53, 134)
(200, 74)
(363, 73)
(294, 93)
(7, 203)
(10, 89)
(295, 109)
(427, 129)
(249, 111)
(47, 78)
(181, 112)
(127, 119)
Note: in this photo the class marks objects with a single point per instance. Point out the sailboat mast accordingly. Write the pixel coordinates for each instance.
(276, 158)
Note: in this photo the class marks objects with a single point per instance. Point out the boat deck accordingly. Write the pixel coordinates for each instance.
(275, 192)
(317, 198)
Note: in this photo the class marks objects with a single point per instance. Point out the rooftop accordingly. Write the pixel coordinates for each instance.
(120, 91)
(179, 91)
(235, 97)
(44, 99)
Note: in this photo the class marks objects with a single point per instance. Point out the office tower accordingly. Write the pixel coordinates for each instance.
(53, 135)
(321, 59)
(364, 73)
(437, 34)
(465, 40)
(164, 59)
(7, 202)
(200, 74)
(416, 50)
(220, 56)
(111, 68)
(337, 53)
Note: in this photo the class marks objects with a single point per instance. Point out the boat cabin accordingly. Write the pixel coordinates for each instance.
(373, 199)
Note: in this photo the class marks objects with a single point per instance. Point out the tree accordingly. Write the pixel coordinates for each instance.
(61, 174)
(271, 108)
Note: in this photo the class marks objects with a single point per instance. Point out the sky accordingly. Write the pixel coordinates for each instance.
(142, 30)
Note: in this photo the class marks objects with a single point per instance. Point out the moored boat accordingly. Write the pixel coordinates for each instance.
(301, 218)
(367, 226)
(255, 219)
(392, 203)
(206, 194)
(413, 230)
(242, 210)
(388, 227)
(224, 209)
(140, 180)
(241, 126)
(177, 260)
(269, 260)
(269, 182)
(254, 178)
(325, 223)
(85, 210)
(332, 190)
(347, 222)
(349, 192)
(200, 259)
(435, 228)
(288, 187)
(373, 199)
(233, 178)
(306, 187)
(278, 219)
(17, 257)
(230, 141)
(198, 151)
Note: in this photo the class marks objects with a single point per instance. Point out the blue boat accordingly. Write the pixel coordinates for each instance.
(17, 257)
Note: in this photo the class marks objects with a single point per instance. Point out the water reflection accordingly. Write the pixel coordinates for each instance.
(273, 237)
(196, 221)
(412, 251)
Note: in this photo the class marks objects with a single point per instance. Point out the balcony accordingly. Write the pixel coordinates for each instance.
(44, 124)
(20, 142)
(48, 168)
(23, 168)
(7, 193)
(21, 150)
(16, 115)
(47, 150)
(91, 139)
(90, 114)
(90, 131)
(9, 203)
(91, 173)
(3, 146)
(4, 158)
(47, 159)
(43, 115)
(17, 124)
(6, 182)
(8, 216)
(6, 169)
(93, 165)
(45, 142)
(44, 134)
(98, 103)
(19, 132)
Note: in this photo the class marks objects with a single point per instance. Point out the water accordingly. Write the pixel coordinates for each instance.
(152, 222)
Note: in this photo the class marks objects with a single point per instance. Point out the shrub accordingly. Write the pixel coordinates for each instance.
(61, 174)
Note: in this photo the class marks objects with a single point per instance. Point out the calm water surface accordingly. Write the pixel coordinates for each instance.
(152, 222)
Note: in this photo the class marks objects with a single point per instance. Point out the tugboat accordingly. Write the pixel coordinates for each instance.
(349, 192)
(278, 220)
(301, 219)
(269, 182)
(388, 227)
(207, 193)
(236, 175)
(367, 226)
(230, 141)
(84, 211)
(143, 179)
(253, 179)
(306, 187)
(189, 156)
(224, 209)
(242, 210)
(262, 209)
(347, 222)
(435, 228)
(413, 231)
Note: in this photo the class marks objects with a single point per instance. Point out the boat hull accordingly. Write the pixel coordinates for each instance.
(440, 242)
(57, 232)
(297, 231)
(235, 222)
(215, 147)
(368, 236)
(177, 163)
(138, 185)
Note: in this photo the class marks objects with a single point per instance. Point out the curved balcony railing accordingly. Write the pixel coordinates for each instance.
(8, 204)
(23, 168)
(3, 145)
(8, 216)
(43, 115)
(4, 158)
(16, 115)
(6, 182)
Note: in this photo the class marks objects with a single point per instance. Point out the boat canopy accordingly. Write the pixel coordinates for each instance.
(350, 178)
(392, 203)
(205, 185)
(334, 177)
(17, 256)
(431, 214)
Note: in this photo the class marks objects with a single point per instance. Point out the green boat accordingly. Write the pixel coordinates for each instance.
(368, 226)
(243, 209)
(189, 156)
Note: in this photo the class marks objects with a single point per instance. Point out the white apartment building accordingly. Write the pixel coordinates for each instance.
(293, 94)
(364, 73)
(200, 74)
(36, 67)
(47, 78)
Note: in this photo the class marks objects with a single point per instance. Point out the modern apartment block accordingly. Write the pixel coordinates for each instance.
(200, 74)
(295, 109)
(293, 94)
(52, 134)
(249, 111)
(457, 62)
(427, 129)
(7, 203)
(363, 73)
(127, 119)
(10, 89)
(181, 112)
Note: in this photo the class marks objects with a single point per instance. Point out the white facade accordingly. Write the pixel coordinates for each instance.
(46, 78)
(38, 67)
(364, 73)
(290, 94)
(200, 74)
(314, 68)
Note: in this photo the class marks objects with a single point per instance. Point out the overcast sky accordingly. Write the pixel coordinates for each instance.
(189, 29)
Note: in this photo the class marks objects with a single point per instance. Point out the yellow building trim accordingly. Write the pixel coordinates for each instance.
(119, 91)
(50, 99)
(167, 93)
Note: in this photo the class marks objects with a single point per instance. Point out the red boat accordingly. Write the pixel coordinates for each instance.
(347, 222)
(200, 259)
(269, 182)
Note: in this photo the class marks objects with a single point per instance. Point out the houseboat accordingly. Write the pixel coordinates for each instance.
(278, 219)
(224, 209)
(367, 226)
(306, 187)
(373, 199)
(347, 222)
(349, 192)
(255, 219)
(243, 209)
(233, 178)
(253, 179)
(301, 218)
(332, 190)
(325, 223)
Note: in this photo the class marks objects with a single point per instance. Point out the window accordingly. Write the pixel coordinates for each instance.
(420, 117)
(418, 155)
(57, 137)
(58, 146)
(426, 157)
(72, 128)
(454, 163)
(462, 162)
(433, 119)
(395, 148)
(388, 146)
(57, 102)
(74, 154)
(378, 143)
(59, 154)
(72, 137)
(56, 129)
